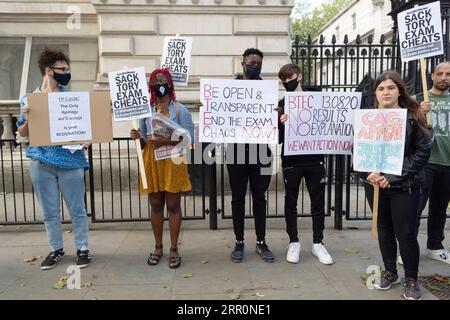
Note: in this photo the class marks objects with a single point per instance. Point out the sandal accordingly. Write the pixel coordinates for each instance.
(174, 262)
(153, 258)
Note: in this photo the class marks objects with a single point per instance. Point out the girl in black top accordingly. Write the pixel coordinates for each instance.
(399, 194)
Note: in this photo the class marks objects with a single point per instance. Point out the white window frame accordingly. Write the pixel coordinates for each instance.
(24, 76)
(26, 63)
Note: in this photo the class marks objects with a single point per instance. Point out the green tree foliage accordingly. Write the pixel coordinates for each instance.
(306, 22)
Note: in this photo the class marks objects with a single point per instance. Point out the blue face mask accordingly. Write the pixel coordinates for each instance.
(252, 71)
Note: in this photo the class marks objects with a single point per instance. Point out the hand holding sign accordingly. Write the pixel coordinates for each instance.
(177, 58)
(379, 147)
(319, 122)
(238, 111)
(166, 136)
(420, 33)
(130, 101)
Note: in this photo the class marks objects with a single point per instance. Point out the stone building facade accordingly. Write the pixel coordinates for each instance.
(106, 35)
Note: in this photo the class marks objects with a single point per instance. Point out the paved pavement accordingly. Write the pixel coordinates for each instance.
(119, 269)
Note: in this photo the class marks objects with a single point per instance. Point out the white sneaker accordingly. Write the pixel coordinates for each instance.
(319, 250)
(441, 255)
(400, 260)
(293, 253)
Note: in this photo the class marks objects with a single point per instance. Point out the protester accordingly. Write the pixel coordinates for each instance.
(55, 170)
(436, 186)
(295, 168)
(167, 179)
(249, 163)
(399, 194)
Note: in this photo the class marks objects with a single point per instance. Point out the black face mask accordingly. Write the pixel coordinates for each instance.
(62, 79)
(252, 72)
(291, 85)
(162, 90)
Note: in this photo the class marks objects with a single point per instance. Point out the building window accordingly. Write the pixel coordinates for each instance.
(11, 65)
(19, 72)
(354, 21)
(34, 74)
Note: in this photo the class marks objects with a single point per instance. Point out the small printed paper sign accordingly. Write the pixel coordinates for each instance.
(69, 116)
(162, 126)
(420, 32)
(129, 94)
(177, 58)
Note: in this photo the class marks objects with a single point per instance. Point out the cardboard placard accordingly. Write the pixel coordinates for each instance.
(129, 94)
(39, 119)
(238, 111)
(177, 58)
(320, 122)
(420, 32)
(379, 140)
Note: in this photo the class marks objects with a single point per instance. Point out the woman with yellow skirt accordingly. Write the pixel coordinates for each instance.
(168, 178)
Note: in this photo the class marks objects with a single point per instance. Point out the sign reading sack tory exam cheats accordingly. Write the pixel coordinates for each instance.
(379, 140)
(129, 94)
(130, 101)
(69, 116)
(238, 111)
(420, 32)
(319, 122)
(177, 58)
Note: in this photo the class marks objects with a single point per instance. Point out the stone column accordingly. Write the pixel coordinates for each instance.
(7, 127)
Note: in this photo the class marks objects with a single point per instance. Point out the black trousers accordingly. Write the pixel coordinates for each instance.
(436, 187)
(315, 183)
(240, 175)
(397, 221)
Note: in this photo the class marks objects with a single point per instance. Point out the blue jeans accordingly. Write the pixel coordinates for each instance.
(48, 182)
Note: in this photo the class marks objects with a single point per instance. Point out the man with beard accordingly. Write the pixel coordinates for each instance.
(437, 173)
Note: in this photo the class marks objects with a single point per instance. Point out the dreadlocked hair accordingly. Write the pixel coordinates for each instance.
(152, 90)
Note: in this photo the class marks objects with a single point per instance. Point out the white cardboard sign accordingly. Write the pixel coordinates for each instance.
(320, 122)
(420, 32)
(379, 140)
(69, 116)
(238, 111)
(177, 58)
(129, 94)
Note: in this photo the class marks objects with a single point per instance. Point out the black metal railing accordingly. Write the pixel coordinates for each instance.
(345, 67)
(112, 192)
(112, 186)
(115, 172)
(18, 200)
(274, 194)
(354, 66)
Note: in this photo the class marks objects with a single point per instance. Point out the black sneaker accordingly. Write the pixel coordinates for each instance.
(83, 258)
(238, 253)
(52, 259)
(411, 290)
(264, 252)
(387, 280)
